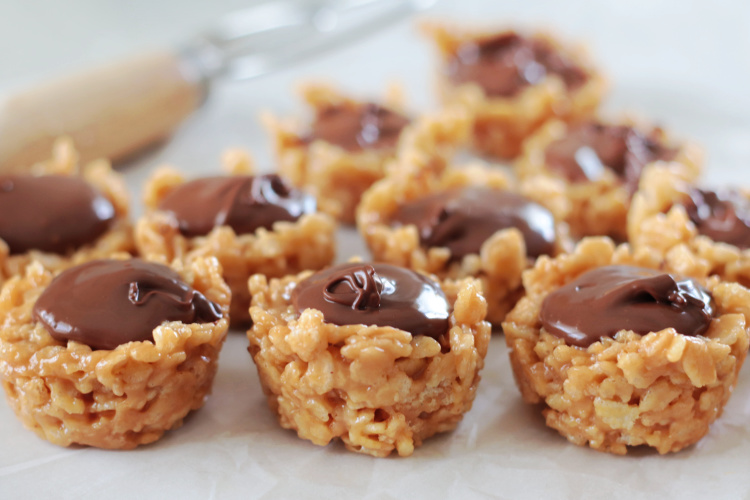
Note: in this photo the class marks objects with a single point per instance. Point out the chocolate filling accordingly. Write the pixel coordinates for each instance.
(589, 148)
(462, 219)
(357, 127)
(376, 294)
(243, 203)
(603, 301)
(506, 63)
(721, 215)
(52, 213)
(107, 303)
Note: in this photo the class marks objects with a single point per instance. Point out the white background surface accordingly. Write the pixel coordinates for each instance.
(683, 63)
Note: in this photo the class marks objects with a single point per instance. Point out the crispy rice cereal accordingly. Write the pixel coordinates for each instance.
(99, 173)
(120, 398)
(656, 221)
(502, 258)
(289, 248)
(335, 176)
(501, 124)
(378, 389)
(596, 208)
(661, 390)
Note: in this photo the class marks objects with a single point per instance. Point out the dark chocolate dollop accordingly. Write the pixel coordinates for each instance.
(244, 203)
(356, 127)
(107, 303)
(461, 219)
(603, 301)
(51, 213)
(506, 63)
(589, 148)
(376, 294)
(721, 215)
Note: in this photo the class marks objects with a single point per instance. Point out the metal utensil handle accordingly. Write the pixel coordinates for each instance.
(267, 37)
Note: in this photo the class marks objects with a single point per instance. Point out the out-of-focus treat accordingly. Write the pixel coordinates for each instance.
(243, 202)
(356, 126)
(111, 353)
(722, 215)
(461, 219)
(512, 83)
(251, 224)
(622, 350)
(376, 355)
(346, 147)
(62, 214)
(687, 225)
(457, 222)
(592, 168)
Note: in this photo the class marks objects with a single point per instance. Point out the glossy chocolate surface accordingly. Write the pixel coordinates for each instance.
(357, 127)
(107, 303)
(603, 301)
(51, 213)
(721, 215)
(244, 203)
(461, 219)
(376, 294)
(506, 63)
(588, 148)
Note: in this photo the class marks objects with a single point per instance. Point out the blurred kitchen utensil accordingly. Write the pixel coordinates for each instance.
(117, 110)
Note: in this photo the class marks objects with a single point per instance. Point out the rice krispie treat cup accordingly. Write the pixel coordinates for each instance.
(250, 224)
(573, 348)
(111, 353)
(512, 83)
(62, 214)
(349, 353)
(594, 168)
(460, 222)
(347, 146)
(708, 231)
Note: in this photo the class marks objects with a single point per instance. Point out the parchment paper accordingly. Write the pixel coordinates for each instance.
(668, 62)
(233, 448)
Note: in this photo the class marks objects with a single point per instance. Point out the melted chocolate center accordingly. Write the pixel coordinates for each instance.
(243, 203)
(52, 213)
(506, 63)
(603, 301)
(356, 127)
(722, 216)
(589, 148)
(461, 219)
(107, 303)
(376, 294)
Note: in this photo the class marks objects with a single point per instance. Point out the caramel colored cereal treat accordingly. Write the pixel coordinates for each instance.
(622, 351)
(251, 224)
(512, 83)
(346, 148)
(111, 353)
(349, 353)
(688, 226)
(459, 222)
(593, 168)
(62, 214)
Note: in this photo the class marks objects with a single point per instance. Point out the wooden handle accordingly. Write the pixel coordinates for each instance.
(110, 112)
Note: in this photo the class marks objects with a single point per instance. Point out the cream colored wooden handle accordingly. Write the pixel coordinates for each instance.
(110, 112)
